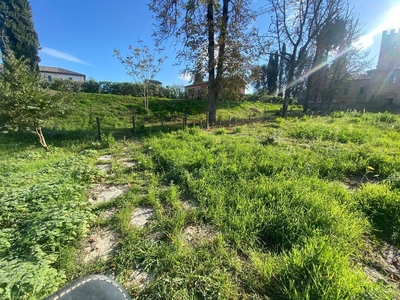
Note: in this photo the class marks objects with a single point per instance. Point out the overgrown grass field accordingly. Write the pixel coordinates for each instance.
(282, 220)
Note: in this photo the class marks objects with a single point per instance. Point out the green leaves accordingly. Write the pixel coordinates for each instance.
(44, 210)
(25, 103)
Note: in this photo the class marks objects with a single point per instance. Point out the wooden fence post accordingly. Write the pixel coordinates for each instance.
(184, 119)
(134, 125)
(98, 128)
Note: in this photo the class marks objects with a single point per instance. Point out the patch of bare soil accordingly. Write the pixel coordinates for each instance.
(196, 235)
(106, 157)
(105, 167)
(128, 164)
(355, 182)
(188, 203)
(105, 192)
(138, 278)
(99, 245)
(156, 236)
(141, 217)
(109, 213)
(385, 265)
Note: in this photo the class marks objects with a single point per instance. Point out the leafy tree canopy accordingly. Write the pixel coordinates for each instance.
(24, 103)
(17, 32)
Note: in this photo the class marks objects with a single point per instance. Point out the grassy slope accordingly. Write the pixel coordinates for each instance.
(116, 111)
(285, 225)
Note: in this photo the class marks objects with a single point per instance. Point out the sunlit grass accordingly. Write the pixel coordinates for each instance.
(284, 224)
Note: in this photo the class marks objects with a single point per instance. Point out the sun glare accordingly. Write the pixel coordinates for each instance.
(393, 18)
(390, 21)
(364, 42)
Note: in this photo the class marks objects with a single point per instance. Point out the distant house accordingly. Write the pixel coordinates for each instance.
(200, 89)
(196, 89)
(50, 73)
(155, 82)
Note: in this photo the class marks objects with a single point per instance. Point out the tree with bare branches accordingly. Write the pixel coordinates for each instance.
(221, 25)
(337, 59)
(297, 24)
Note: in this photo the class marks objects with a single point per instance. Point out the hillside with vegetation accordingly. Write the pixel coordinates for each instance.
(298, 208)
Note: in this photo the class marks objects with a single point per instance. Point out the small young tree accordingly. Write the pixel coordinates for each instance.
(142, 66)
(24, 103)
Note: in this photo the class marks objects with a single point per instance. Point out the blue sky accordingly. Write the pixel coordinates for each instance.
(80, 35)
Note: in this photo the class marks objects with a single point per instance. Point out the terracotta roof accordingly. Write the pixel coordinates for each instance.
(58, 71)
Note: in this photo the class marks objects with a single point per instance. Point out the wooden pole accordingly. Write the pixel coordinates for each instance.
(207, 120)
(229, 120)
(184, 119)
(98, 128)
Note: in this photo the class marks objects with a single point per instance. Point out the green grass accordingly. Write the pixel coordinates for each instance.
(116, 112)
(282, 223)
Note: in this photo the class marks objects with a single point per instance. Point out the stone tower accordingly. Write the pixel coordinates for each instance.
(389, 55)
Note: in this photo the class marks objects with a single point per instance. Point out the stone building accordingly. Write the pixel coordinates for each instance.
(51, 73)
(381, 86)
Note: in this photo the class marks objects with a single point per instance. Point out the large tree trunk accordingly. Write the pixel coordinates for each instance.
(212, 88)
(214, 83)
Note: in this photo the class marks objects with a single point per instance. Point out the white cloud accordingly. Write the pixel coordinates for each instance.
(63, 55)
(185, 77)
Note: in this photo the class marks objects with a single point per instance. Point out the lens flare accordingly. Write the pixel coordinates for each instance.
(392, 19)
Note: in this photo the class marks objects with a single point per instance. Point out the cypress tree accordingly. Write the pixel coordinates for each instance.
(272, 73)
(17, 32)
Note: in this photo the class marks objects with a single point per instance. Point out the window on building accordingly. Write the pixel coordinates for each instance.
(346, 91)
(49, 78)
(392, 79)
(362, 90)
